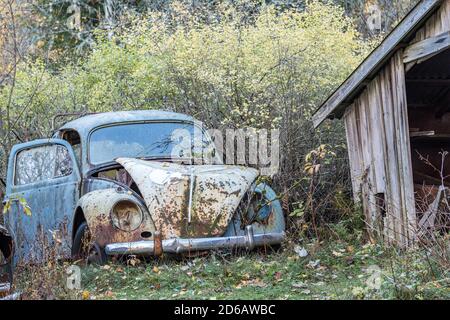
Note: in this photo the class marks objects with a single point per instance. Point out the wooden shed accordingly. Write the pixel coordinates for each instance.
(396, 109)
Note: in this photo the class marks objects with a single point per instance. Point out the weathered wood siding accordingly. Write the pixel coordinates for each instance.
(379, 145)
(380, 156)
(437, 24)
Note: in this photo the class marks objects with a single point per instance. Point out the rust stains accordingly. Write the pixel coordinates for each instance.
(217, 192)
(97, 206)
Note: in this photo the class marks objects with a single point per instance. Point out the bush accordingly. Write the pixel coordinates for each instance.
(270, 71)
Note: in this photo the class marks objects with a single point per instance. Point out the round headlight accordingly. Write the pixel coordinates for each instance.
(126, 215)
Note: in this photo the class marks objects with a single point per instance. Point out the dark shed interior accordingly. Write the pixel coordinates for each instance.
(428, 96)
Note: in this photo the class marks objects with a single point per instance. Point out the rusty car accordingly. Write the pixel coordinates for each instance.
(108, 184)
(6, 252)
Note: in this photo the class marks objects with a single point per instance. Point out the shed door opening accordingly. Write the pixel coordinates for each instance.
(428, 93)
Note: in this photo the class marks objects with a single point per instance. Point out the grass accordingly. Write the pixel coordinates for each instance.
(330, 271)
(342, 268)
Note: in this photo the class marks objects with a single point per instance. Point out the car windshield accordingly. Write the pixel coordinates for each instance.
(145, 140)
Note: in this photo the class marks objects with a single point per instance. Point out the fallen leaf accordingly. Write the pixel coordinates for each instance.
(306, 291)
(301, 252)
(349, 260)
(278, 276)
(313, 264)
(133, 261)
(257, 283)
(358, 292)
(299, 285)
(109, 293)
(337, 254)
(155, 269)
(184, 268)
(85, 295)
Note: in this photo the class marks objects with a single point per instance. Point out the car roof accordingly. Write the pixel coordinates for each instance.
(85, 124)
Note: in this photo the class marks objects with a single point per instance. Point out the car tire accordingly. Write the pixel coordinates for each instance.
(84, 249)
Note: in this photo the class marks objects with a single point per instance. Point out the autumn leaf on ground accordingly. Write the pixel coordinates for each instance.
(133, 261)
(184, 268)
(277, 276)
(258, 283)
(299, 285)
(109, 294)
(85, 295)
(301, 252)
(313, 264)
(337, 254)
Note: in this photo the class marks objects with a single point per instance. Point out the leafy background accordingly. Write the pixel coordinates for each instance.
(231, 64)
(261, 64)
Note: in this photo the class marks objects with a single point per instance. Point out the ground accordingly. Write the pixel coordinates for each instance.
(330, 271)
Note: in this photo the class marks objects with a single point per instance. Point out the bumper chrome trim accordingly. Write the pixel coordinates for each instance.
(178, 245)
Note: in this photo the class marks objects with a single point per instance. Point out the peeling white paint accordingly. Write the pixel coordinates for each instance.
(162, 176)
(217, 192)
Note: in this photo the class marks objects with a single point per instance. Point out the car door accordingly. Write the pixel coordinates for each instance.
(41, 195)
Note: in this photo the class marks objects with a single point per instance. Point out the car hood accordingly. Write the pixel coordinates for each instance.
(190, 200)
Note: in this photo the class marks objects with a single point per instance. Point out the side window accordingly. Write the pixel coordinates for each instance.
(42, 163)
(73, 138)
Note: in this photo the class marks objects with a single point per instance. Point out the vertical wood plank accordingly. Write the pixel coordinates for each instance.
(352, 146)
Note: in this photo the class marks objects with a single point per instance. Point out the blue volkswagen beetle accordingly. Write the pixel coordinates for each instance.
(118, 183)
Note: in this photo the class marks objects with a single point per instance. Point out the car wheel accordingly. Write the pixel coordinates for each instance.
(83, 248)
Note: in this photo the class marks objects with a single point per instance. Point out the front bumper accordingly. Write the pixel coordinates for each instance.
(177, 245)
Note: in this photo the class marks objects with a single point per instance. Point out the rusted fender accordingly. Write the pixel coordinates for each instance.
(190, 200)
(97, 206)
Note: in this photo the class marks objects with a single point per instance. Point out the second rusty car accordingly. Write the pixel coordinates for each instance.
(6, 253)
(117, 180)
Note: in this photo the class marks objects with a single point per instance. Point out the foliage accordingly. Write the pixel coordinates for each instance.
(270, 71)
(22, 204)
(51, 24)
(230, 64)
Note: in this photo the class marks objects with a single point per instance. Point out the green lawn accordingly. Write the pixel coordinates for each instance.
(337, 271)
